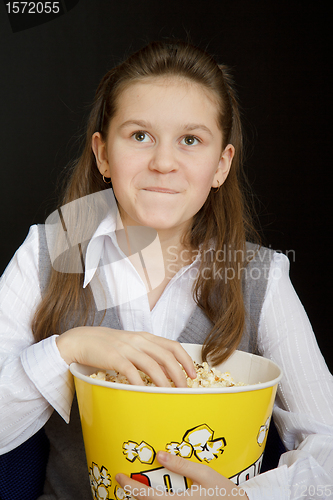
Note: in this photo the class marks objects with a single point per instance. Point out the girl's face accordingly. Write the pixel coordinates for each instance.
(163, 152)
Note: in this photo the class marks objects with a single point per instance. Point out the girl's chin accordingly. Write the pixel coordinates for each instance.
(156, 217)
(157, 223)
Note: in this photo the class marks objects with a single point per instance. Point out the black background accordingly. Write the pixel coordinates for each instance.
(280, 53)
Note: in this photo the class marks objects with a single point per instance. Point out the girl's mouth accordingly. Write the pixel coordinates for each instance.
(161, 190)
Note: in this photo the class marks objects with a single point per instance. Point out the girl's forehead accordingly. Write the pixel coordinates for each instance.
(170, 95)
(177, 84)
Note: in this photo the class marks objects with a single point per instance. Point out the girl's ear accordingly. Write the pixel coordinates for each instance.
(224, 165)
(99, 150)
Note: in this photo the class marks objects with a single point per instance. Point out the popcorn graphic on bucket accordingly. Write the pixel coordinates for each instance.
(143, 451)
(200, 442)
(226, 428)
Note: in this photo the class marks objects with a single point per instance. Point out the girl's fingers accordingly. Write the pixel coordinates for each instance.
(126, 352)
(125, 357)
(199, 473)
(128, 365)
(136, 489)
(150, 354)
(157, 355)
(126, 368)
(176, 350)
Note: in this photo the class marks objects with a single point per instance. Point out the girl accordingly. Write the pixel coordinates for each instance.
(148, 247)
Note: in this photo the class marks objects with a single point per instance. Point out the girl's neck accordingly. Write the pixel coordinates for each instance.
(161, 255)
(176, 253)
(171, 241)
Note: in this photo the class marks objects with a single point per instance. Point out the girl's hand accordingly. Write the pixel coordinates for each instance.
(126, 352)
(204, 478)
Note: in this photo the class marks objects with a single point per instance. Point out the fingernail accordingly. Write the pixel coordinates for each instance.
(163, 455)
(117, 477)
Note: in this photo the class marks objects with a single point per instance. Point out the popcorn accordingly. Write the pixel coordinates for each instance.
(120, 379)
(206, 377)
(211, 377)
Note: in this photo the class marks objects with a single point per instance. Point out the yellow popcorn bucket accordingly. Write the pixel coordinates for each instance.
(226, 428)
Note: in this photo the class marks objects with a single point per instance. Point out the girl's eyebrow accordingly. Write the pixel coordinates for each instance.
(188, 127)
(139, 123)
(195, 126)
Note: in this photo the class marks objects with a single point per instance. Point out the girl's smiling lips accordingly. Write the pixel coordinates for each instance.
(161, 190)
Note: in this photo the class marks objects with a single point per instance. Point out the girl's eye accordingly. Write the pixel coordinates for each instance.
(141, 137)
(190, 140)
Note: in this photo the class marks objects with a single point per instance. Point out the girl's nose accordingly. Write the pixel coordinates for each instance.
(163, 159)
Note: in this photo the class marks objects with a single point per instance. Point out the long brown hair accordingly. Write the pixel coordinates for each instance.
(224, 218)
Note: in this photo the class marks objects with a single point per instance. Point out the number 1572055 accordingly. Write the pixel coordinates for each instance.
(33, 7)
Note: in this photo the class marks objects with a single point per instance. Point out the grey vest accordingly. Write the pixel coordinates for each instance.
(67, 474)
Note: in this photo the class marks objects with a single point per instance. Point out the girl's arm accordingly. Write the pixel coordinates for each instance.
(34, 378)
(303, 411)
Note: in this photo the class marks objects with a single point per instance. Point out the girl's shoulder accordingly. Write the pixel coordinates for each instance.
(258, 253)
(22, 270)
(256, 274)
(264, 268)
(267, 258)
(28, 252)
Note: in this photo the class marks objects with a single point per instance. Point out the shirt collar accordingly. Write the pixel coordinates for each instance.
(95, 246)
